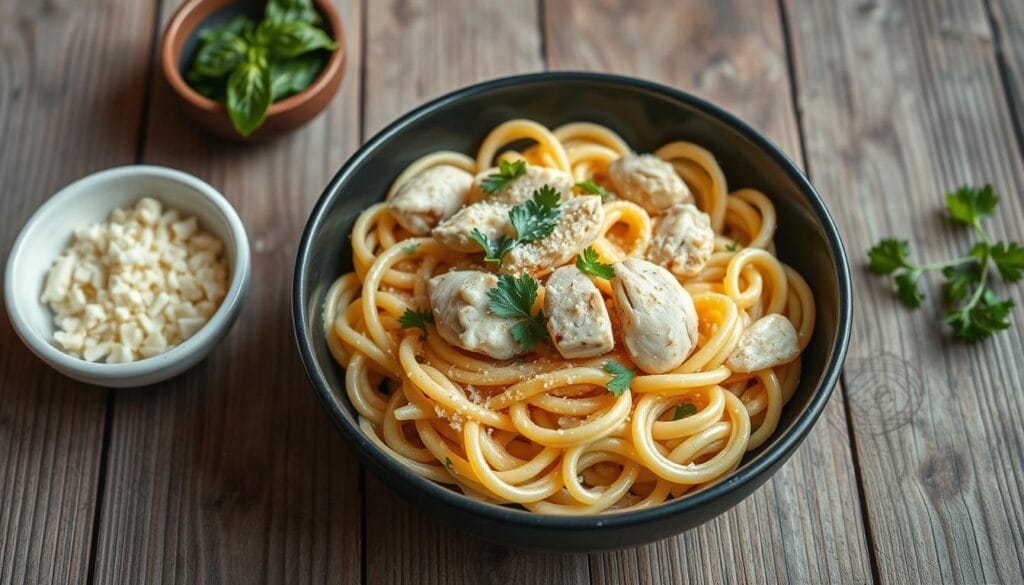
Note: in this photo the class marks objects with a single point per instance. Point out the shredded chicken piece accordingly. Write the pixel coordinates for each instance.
(657, 316)
(649, 182)
(577, 319)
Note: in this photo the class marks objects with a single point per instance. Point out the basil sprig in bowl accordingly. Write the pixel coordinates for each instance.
(252, 68)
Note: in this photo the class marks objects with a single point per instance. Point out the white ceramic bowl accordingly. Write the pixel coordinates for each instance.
(90, 200)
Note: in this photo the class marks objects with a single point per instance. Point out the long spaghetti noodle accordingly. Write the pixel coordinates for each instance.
(543, 432)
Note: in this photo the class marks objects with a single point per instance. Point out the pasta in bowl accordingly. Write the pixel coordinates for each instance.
(694, 371)
(567, 325)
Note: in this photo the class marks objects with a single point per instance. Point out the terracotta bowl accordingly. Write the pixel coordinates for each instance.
(180, 41)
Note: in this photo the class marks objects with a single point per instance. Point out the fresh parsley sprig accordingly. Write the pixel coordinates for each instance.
(536, 218)
(513, 298)
(981, 311)
(589, 264)
(494, 250)
(532, 220)
(507, 172)
(592, 188)
(413, 318)
(622, 377)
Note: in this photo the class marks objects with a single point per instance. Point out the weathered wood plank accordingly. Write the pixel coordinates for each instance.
(902, 101)
(417, 50)
(1007, 18)
(57, 100)
(805, 525)
(232, 473)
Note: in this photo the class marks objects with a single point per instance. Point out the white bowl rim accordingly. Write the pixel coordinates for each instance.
(181, 352)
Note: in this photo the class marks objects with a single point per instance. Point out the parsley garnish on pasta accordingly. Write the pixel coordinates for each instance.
(537, 218)
(592, 188)
(507, 172)
(494, 249)
(532, 220)
(684, 410)
(513, 298)
(542, 343)
(413, 319)
(588, 262)
(622, 377)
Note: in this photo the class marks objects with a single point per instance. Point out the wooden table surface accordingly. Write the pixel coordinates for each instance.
(233, 474)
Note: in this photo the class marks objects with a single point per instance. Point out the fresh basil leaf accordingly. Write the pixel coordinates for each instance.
(297, 10)
(239, 26)
(220, 56)
(292, 76)
(289, 39)
(249, 96)
(206, 87)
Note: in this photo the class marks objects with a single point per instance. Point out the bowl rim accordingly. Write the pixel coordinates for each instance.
(777, 452)
(222, 317)
(169, 62)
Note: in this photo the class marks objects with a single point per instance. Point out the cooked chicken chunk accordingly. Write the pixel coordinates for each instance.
(488, 217)
(429, 197)
(659, 321)
(521, 189)
(683, 240)
(577, 319)
(459, 301)
(649, 182)
(770, 341)
(579, 224)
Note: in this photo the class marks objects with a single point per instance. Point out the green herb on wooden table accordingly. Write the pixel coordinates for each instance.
(978, 310)
(248, 66)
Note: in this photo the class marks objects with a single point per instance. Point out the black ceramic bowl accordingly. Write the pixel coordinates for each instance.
(646, 115)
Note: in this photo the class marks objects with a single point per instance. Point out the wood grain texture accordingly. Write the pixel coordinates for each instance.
(901, 102)
(415, 51)
(1007, 17)
(57, 100)
(232, 473)
(805, 525)
(420, 49)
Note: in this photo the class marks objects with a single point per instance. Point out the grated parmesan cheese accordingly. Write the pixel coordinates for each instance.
(136, 285)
